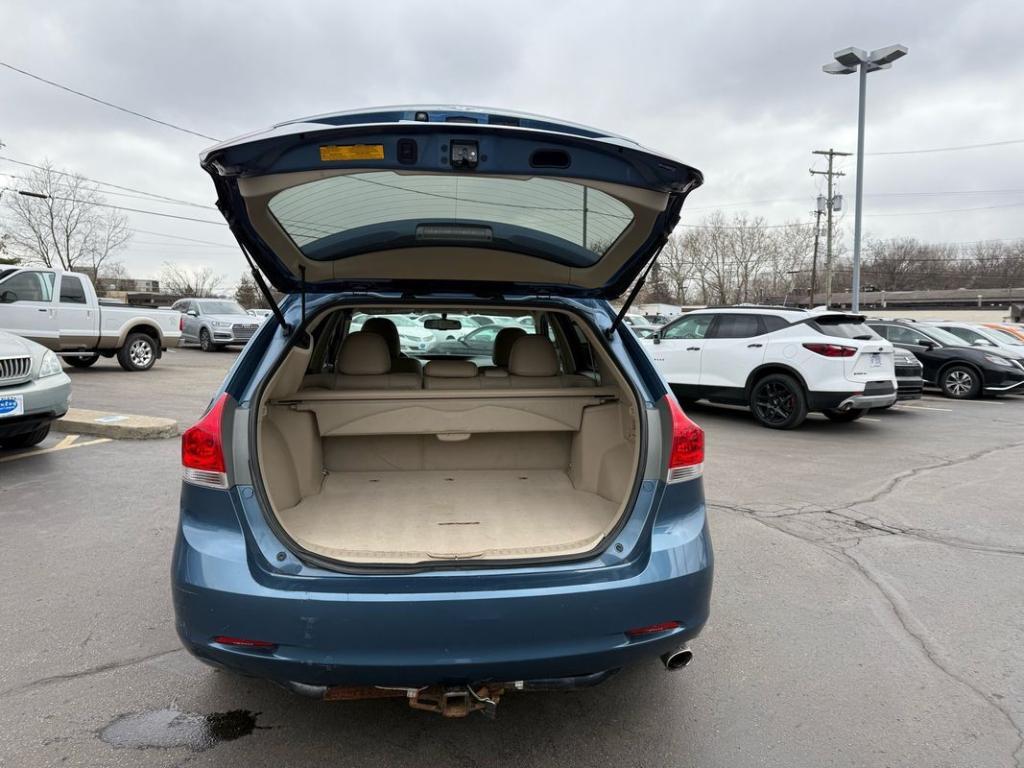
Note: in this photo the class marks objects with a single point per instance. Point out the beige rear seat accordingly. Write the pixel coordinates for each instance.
(451, 374)
(502, 349)
(533, 364)
(365, 363)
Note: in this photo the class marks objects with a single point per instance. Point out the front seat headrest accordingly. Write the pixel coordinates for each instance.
(363, 354)
(533, 355)
(386, 330)
(503, 345)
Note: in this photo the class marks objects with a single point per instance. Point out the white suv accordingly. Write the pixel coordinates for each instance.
(782, 362)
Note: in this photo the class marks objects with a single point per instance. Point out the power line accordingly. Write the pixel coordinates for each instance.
(141, 210)
(104, 183)
(108, 103)
(177, 237)
(948, 149)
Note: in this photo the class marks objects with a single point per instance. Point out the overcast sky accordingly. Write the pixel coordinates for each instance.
(733, 88)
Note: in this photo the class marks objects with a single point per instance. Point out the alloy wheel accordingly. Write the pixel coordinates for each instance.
(141, 353)
(775, 402)
(959, 383)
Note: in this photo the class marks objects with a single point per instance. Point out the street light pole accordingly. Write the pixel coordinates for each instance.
(848, 61)
(859, 194)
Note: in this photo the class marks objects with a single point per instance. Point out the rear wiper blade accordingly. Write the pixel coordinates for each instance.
(865, 337)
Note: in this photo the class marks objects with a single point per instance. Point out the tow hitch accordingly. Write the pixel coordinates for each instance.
(449, 701)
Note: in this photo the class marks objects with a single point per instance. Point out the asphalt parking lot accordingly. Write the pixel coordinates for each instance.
(867, 611)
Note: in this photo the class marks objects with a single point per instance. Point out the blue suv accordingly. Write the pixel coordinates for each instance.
(362, 518)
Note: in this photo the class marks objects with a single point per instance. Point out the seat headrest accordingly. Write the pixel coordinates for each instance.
(450, 369)
(363, 354)
(533, 355)
(386, 330)
(503, 345)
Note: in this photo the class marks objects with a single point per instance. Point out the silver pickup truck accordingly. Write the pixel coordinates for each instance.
(61, 311)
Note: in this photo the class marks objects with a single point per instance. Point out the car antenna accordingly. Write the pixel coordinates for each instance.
(632, 295)
(286, 329)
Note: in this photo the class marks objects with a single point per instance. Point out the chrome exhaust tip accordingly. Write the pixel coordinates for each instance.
(677, 659)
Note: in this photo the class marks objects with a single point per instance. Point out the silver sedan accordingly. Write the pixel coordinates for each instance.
(34, 391)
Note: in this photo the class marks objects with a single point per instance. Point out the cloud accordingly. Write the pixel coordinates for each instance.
(734, 88)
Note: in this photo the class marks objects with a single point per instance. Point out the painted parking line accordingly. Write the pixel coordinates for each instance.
(972, 402)
(69, 441)
(922, 408)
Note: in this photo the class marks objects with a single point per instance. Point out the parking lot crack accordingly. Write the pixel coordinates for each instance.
(109, 667)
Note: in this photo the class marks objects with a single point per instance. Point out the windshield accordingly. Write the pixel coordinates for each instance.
(943, 337)
(471, 341)
(1004, 337)
(221, 308)
(358, 212)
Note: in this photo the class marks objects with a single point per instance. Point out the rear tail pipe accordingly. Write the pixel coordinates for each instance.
(677, 659)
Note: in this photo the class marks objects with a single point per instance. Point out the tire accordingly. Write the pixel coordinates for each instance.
(81, 362)
(138, 353)
(205, 342)
(26, 440)
(960, 382)
(853, 414)
(778, 402)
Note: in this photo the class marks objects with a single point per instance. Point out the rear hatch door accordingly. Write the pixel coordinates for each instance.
(873, 359)
(447, 198)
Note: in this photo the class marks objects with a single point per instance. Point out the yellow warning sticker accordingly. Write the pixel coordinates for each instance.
(352, 152)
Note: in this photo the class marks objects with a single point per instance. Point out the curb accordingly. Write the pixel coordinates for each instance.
(119, 426)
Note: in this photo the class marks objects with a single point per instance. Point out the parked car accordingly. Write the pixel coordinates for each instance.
(477, 343)
(909, 375)
(1016, 330)
(215, 323)
(60, 310)
(960, 371)
(639, 323)
(456, 546)
(781, 362)
(413, 338)
(980, 336)
(34, 391)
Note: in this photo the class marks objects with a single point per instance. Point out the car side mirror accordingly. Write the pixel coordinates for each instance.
(926, 343)
(982, 343)
(192, 313)
(656, 337)
(8, 297)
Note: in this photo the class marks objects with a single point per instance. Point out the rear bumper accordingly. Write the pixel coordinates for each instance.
(874, 394)
(451, 628)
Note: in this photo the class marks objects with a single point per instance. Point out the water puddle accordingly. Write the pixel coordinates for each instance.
(168, 728)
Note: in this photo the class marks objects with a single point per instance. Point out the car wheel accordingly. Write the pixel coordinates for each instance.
(960, 382)
(81, 362)
(206, 342)
(26, 440)
(138, 352)
(834, 414)
(778, 402)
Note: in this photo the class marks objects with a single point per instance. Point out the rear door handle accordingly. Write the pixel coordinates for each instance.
(754, 346)
(42, 310)
(693, 349)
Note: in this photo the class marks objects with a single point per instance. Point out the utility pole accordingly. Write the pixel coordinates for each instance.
(817, 214)
(830, 204)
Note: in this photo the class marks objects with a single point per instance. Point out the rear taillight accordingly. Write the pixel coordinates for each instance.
(686, 461)
(245, 642)
(181, 322)
(202, 451)
(832, 350)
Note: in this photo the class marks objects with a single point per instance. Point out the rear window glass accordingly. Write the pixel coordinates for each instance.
(474, 340)
(343, 215)
(845, 329)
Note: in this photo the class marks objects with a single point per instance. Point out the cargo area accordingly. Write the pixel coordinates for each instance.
(368, 465)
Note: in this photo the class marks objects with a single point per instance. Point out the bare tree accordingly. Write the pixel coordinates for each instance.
(185, 281)
(63, 223)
